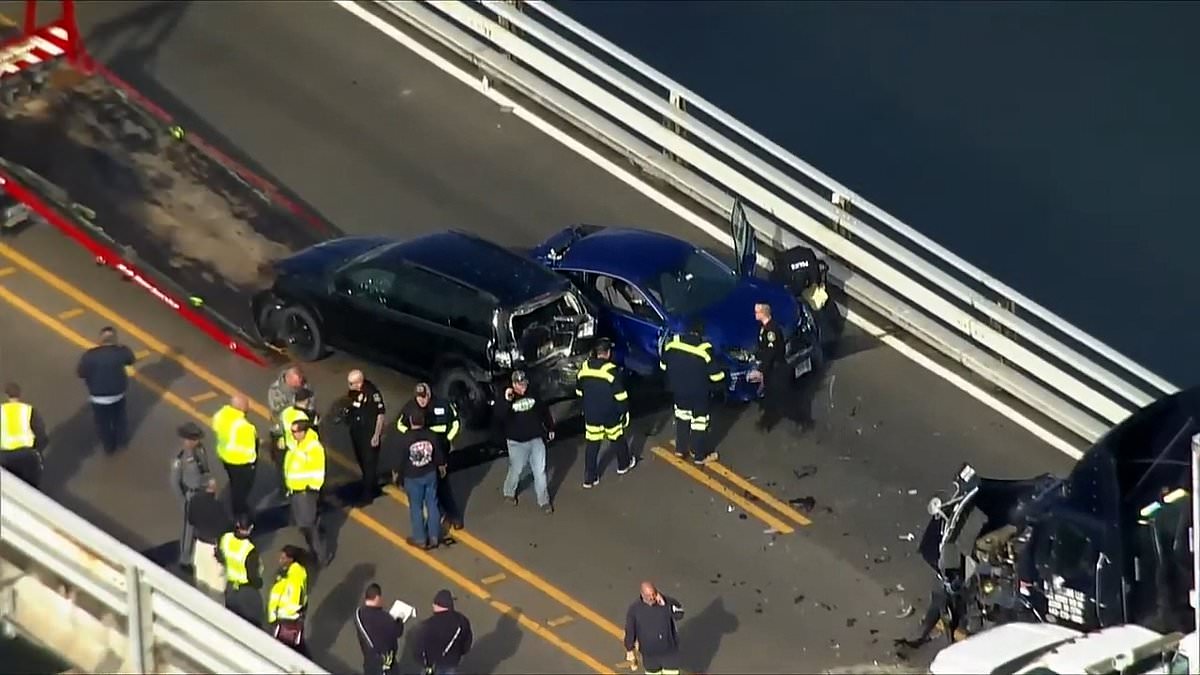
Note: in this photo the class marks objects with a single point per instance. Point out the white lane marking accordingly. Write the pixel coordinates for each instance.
(635, 182)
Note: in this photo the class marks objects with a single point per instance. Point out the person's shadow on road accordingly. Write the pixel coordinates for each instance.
(492, 650)
(337, 609)
(700, 636)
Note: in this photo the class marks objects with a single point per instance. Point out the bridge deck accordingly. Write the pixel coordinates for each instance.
(378, 140)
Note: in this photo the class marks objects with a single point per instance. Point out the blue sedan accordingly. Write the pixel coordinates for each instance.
(649, 285)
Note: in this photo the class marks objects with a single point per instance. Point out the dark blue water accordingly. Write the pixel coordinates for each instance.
(1054, 145)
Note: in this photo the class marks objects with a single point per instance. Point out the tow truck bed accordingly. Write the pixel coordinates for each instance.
(200, 231)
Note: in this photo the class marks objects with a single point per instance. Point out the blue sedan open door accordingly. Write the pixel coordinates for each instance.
(745, 248)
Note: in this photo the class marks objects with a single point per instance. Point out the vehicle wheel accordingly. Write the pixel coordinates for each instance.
(300, 333)
(268, 323)
(469, 397)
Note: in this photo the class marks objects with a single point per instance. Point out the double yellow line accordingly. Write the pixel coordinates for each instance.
(154, 344)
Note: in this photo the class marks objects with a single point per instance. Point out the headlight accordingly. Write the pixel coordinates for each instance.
(506, 358)
(740, 355)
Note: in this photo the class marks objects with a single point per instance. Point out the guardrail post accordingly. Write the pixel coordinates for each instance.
(506, 24)
(1011, 307)
(679, 103)
(842, 202)
(140, 622)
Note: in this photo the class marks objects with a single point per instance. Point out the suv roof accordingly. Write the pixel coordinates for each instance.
(484, 265)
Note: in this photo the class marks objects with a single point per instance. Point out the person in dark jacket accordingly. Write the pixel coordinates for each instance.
(527, 423)
(422, 461)
(772, 370)
(378, 634)
(605, 412)
(209, 520)
(445, 637)
(650, 626)
(692, 374)
(441, 417)
(364, 413)
(102, 368)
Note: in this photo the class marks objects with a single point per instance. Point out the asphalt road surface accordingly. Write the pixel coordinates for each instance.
(379, 141)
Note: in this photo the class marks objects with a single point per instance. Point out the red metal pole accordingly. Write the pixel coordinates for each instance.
(68, 19)
(30, 16)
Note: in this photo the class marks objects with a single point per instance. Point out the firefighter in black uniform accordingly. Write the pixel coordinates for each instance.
(605, 411)
(772, 370)
(441, 417)
(364, 413)
(692, 374)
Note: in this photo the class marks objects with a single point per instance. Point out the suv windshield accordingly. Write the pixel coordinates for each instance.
(697, 282)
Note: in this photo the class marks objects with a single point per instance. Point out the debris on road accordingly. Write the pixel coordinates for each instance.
(907, 537)
(805, 471)
(805, 504)
(905, 612)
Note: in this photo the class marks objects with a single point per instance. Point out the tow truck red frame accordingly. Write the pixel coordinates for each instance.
(60, 39)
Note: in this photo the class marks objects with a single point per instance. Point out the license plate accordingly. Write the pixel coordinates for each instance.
(803, 367)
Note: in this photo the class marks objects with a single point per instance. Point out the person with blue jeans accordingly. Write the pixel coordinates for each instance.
(526, 422)
(422, 462)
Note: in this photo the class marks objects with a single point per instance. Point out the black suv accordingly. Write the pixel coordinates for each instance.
(451, 307)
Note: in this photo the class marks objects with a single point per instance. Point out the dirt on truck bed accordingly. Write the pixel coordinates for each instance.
(184, 214)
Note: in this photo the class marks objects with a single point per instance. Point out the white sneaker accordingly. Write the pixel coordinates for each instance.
(632, 463)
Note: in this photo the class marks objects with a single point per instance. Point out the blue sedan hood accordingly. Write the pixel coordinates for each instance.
(730, 323)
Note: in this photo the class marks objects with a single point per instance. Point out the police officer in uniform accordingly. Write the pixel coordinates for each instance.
(243, 572)
(441, 417)
(22, 436)
(303, 477)
(378, 634)
(364, 414)
(605, 411)
(237, 448)
(772, 370)
(189, 476)
(692, 373)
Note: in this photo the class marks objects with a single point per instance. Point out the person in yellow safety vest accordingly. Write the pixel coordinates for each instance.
(303, 477)
(605, 404)
(288, 603)
(441, 417)
(243, 571)
(22, 436)
(237, 448)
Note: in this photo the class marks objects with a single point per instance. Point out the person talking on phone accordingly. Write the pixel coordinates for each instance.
(527, 423)
(650, 627)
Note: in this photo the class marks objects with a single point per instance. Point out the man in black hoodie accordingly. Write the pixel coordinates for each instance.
(526, 422)
(445, 637)
(102, 368)
(422, 460)
(650, 625)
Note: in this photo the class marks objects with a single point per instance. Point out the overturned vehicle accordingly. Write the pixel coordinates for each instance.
(1106, 545)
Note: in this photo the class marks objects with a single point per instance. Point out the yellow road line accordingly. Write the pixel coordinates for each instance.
(206, 396)
(141, 354)
(227, 388)
(710, 483)
(495, 578)
(69, 314)
(560, 621)
(759, 493)
(152, 342)
(5, 271)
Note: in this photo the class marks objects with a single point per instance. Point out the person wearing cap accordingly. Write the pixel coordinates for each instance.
(22, 436)
(209, 521)
(441, 417)
(378, 634)
(288, 605)
(527, 423)
(445, 637)
(692, 373)
(243, 569)
(605, 411)
(421, 462)
(281, 395)
(237, 448)
(364, 414)
(303, 478)
(189, 475)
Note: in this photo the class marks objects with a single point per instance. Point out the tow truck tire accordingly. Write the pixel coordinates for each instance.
(300, 333)
(468, 396)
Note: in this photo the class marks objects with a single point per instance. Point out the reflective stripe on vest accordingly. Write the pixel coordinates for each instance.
(235, 551)
(236, 442)
(604, 372)
(304, 465)
(289, 595)
(290, 416)
(702, 350)
(16, 426)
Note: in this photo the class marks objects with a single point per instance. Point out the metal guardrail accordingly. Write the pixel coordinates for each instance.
(161, 613)
(678, 137)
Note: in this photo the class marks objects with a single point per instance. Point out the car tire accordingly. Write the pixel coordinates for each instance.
(469, 397)
(300, 333)
(267, 322)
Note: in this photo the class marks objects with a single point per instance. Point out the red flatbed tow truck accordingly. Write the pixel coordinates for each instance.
(81, 150)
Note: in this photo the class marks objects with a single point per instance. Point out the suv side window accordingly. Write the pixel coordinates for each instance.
(439, 300)
(369, 284)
